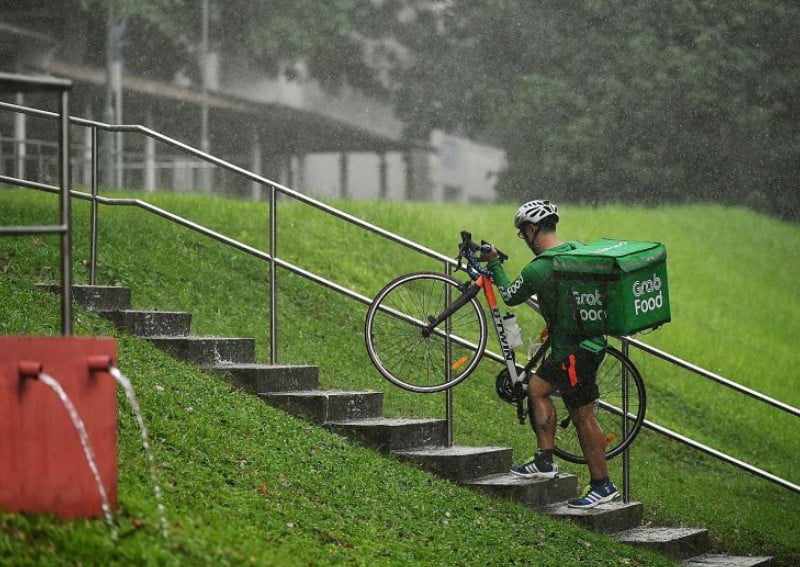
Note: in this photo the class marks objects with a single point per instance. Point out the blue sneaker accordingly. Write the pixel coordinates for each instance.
(536, 469)
(595, 495)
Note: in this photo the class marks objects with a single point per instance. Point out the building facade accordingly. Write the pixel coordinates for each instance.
(334, 145)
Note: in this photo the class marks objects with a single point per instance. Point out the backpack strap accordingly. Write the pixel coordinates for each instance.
(573, 244)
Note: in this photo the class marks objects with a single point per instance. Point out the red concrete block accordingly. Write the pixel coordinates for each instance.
(43, 467)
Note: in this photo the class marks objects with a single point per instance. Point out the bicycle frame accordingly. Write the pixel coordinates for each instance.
(512, 382)
(482, 281)
(486, 283)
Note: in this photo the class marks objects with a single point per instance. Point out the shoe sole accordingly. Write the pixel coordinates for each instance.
(544, 475)
(603, 500)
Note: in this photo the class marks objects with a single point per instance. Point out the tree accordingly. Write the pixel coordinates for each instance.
(331, 38)
(633, 101)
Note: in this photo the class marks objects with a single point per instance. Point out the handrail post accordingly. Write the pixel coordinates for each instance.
(448, 396)
(626, 454)
(273, 300)
(94, 213)
(66, 218)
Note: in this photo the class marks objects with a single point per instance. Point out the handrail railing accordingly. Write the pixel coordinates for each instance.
(739, 388)
(21, 83)
(274, 261)
(712, 376)
(273, 186)
(689, 442)
(237, 169)
(233, 243)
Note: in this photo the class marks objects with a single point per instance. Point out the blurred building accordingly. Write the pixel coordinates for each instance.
(345, 145)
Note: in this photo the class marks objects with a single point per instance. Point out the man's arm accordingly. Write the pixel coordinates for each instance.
(518, 291)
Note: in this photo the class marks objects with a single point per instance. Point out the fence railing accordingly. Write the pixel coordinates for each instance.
(274, 261)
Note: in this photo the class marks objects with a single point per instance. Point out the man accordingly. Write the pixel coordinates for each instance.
(571, 367)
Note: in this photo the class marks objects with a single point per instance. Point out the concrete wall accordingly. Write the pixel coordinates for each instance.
(462, 169)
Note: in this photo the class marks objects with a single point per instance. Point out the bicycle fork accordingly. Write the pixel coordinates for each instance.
(470, 292)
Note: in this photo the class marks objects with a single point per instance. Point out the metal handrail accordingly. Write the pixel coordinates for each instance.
(240, 170)
(177, 219)
(676, 361)
(273, 187)
(712, 376)
(721, 456)
(271, 257)
(22, 83)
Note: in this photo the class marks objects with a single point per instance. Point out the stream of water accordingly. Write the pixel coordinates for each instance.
(131, 395)
(77, 422)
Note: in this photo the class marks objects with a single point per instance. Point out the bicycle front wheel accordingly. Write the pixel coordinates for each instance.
(620, 410)
(408, 354)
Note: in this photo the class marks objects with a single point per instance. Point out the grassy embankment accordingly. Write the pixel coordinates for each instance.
(244, 482)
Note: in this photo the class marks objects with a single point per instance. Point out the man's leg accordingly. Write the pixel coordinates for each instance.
(544, 413)
(592, 440)
(544, 416)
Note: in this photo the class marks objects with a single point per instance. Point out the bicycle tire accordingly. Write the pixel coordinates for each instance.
(397, 346)
(608, 410)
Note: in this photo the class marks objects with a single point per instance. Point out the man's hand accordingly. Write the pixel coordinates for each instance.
(488, 252)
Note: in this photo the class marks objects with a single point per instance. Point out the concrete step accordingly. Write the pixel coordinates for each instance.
(606, 518)
(323, 406)
(459, 463)
(385, 434)
(357, 415)
(207, 351)
(262, 378)
(96, 297)
(532, 492)
(151, 323)
(677, 543)
(721, 560)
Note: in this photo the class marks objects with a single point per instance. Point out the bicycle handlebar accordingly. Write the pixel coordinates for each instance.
(486, 247)
(467, 249)
(468, 245)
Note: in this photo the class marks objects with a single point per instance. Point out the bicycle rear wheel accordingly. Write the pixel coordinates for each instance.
(618, 380)
(415, 359)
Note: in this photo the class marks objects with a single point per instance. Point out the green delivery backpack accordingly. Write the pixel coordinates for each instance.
(611, 287)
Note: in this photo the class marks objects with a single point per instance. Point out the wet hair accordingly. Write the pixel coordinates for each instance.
(548, 224)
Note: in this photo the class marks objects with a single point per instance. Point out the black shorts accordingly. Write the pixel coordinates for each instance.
(575, 377)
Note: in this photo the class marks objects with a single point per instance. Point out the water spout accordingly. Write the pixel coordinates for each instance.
(126, 385)
(87, 448)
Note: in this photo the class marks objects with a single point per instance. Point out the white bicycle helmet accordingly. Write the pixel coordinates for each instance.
(535, 212)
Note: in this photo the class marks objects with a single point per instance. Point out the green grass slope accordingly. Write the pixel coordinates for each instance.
(245, 483)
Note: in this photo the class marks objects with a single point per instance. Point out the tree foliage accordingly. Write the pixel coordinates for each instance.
(333, 39)
(593, 101)
(633, 101)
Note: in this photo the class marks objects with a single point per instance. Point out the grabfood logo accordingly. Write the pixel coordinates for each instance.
(590, 305)
(649, 295)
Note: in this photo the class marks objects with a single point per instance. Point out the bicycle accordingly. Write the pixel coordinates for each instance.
(426, 332)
